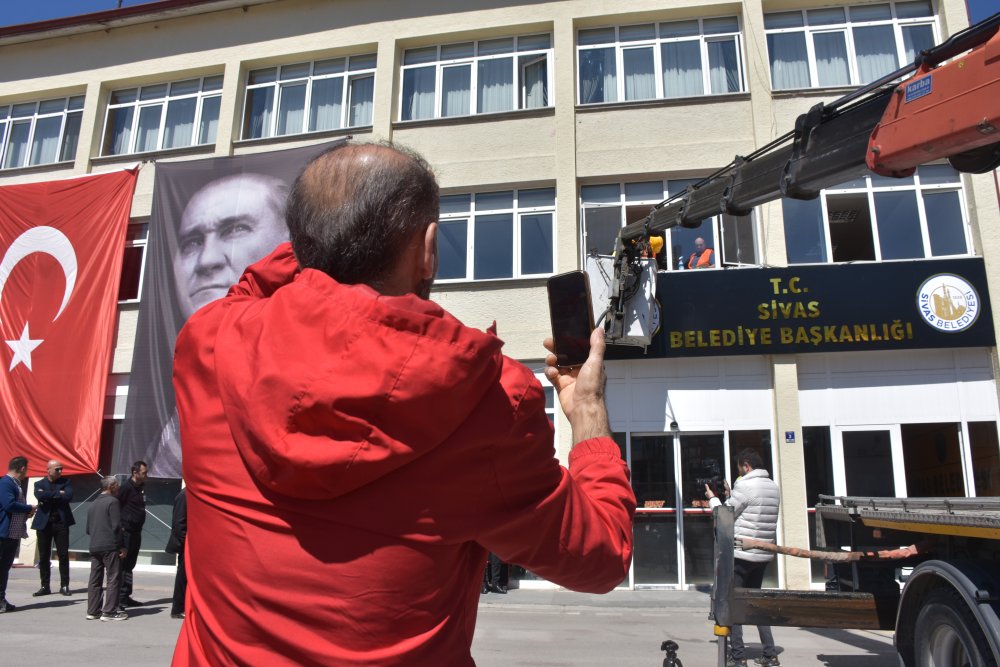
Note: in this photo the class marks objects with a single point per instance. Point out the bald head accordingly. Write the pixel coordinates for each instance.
(355, 210)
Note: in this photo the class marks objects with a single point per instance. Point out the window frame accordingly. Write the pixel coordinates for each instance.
(913, 184)
(72, 105)
(553, 412)
(137, 237)
(715, 222)
(516, 212)
(519, 94)
(847, 28)
(347, 76)
(138, 104)
(656, 43)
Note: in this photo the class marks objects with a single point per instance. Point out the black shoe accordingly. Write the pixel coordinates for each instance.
(179, 615)
(44, 590)
(129, 601)
(498, 588)
(765, 661)
(64, 590)
(6, 606)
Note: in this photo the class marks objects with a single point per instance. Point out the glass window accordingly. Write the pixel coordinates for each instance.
(133, 263)
(911, 218)
(985, 457)
(835, 47)
(496, 235)
(664, 61)
(502, 81)
(493, 251)
(37, 133)
(868, 463)
(606, 208)
(162, 116)
(310, 97)
(932, 459)
(757, 440)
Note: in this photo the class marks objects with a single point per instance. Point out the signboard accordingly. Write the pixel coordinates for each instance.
(821, 308)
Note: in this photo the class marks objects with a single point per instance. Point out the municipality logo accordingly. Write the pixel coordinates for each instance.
(948, 302)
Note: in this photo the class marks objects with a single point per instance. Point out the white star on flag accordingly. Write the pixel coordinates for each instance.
(23, 348)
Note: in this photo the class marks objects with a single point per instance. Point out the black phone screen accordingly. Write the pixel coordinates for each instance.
(572, 317)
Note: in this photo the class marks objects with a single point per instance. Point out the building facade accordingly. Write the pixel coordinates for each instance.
(550, 125)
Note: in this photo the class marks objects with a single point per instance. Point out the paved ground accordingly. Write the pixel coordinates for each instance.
(526, 627)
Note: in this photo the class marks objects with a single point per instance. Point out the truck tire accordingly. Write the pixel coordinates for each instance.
(946, 634)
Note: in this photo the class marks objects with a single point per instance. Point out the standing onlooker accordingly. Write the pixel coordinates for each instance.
(755, 499)
(106, 554)
(51, 524)
(495, 575)
(14, 515)
(133, 508)
(175, 545)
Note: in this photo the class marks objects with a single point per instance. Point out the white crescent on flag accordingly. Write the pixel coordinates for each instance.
(50, 241)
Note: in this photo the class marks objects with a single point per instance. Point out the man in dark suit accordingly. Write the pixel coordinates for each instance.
(132, 497)
(175, 545)
(52, 521)
(14, 515)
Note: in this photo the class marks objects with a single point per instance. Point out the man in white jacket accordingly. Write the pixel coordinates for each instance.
(755, 499)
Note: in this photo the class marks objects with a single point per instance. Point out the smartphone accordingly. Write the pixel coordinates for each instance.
(572, 316)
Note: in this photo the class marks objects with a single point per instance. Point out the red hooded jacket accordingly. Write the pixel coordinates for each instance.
(349, 459)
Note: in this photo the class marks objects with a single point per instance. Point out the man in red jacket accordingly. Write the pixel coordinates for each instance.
(352, 451)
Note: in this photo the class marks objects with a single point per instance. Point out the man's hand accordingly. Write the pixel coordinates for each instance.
(31, 511)
(122, 553)
(708, 492)
(581, 390)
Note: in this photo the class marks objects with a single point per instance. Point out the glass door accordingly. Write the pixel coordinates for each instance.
(703, 461)
(654, 560)
(868, 461)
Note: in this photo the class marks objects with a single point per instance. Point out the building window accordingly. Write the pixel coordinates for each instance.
(163, 116)
(310, 97)
(488, 76)
(493, 235)
(657, 61)
(550, 404)
(133, 263)
(607, 208)
(846, 46)
(878, 218)
(33, 133)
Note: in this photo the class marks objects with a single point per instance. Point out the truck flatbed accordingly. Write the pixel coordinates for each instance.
(961, 517)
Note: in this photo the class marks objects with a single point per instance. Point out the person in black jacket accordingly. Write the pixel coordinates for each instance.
(133, 510)
(175, 545)
(52, 521)
(106, 554)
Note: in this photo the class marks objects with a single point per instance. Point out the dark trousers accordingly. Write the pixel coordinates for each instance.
(109, 563)
(496, 571)
(180, 586)
(8, 550)
(132, 543)
(58, 533)
(747, 574)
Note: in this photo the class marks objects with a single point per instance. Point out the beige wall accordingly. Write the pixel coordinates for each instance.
(563, 146)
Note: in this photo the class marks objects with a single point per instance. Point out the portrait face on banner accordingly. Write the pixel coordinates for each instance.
(210, 220)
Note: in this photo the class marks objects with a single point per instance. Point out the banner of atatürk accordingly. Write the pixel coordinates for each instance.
(210, 220)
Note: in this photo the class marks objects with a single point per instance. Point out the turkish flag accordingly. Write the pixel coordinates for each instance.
(61, 247)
